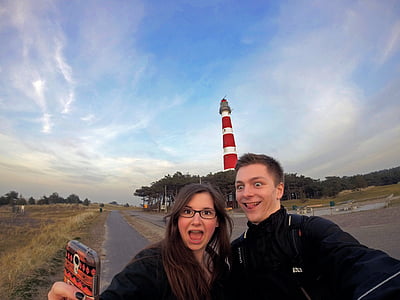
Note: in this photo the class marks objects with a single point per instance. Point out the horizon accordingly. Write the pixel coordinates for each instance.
(193, 175)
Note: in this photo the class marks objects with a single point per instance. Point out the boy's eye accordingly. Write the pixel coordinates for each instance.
(239, 187)
(257, 184)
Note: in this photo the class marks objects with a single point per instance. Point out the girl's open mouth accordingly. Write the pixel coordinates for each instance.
(196, 235)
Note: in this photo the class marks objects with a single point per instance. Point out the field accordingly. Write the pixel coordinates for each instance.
(32, 245)
(365, 194)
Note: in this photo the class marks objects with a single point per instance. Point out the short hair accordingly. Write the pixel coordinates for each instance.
(272, 165)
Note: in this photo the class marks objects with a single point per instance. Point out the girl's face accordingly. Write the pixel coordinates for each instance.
(196, 231)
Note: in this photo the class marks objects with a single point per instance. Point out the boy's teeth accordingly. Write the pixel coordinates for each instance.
(252, 204)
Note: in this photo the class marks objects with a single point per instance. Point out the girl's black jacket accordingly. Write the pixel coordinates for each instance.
(314, 260)
(145, 278)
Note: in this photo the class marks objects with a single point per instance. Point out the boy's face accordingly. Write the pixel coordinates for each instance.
(256, 192)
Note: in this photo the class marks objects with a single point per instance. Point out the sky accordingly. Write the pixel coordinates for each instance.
(99, 98)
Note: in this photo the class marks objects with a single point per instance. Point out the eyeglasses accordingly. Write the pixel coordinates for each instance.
(204, 214)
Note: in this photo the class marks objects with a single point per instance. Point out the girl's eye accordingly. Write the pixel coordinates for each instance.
(239, 187)
(207, 214)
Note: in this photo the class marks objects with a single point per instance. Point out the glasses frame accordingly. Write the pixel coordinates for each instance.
(197, 211)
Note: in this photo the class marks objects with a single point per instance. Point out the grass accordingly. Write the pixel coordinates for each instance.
(366, 194)
(32, 244)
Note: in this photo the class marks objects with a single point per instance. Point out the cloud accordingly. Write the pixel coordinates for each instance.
(34, 61)
(39, 86)
(64, 68)
(66, 71)
(47, 124)
(393, 43)
(88, 118)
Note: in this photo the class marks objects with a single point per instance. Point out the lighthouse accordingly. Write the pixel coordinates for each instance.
(230, 156)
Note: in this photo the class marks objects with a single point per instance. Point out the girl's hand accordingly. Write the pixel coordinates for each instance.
(63, 291)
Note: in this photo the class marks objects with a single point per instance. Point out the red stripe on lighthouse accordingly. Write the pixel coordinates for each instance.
(228, 140)
(230, 161)
(226, 122)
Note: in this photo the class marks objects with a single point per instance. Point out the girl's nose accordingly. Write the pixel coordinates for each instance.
(196, 218)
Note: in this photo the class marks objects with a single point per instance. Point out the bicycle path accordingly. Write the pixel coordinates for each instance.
(120, 245)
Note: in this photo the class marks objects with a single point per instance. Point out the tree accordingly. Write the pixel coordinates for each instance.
(3, 200)
(86, 202)
(21, 201)
(43, 200)
(31, 201)
(12, 197)
(73, 199)
(55, 198)
(332, 186)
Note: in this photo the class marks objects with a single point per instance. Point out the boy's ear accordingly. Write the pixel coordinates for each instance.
(279, 190)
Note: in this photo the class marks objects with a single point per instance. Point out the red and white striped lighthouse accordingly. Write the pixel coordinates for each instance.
(230, 156)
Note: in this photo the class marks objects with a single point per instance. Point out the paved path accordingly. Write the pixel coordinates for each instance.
(379, 228)
(121, 243)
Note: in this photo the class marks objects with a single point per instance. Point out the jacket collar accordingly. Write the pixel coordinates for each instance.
(269, 223)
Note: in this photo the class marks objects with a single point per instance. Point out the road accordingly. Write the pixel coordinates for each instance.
(121, 244)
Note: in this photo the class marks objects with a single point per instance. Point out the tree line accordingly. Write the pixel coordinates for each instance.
(14, 198)
(161, 193)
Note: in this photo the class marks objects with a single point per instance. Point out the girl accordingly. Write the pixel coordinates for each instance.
(189, 263)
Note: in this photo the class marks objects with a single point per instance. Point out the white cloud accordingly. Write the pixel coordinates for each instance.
(64, 68)
(39, 86)
(68, 102)
(66, 71)
(88, 118)
(393, 43)
(47, 123)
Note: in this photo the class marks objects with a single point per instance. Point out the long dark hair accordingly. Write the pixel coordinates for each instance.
(185, 274)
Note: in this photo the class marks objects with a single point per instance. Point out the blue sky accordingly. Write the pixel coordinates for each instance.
(99, 98)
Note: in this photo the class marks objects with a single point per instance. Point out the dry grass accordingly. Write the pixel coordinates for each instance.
(369, 193)
(32, 244)
(150, 231)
